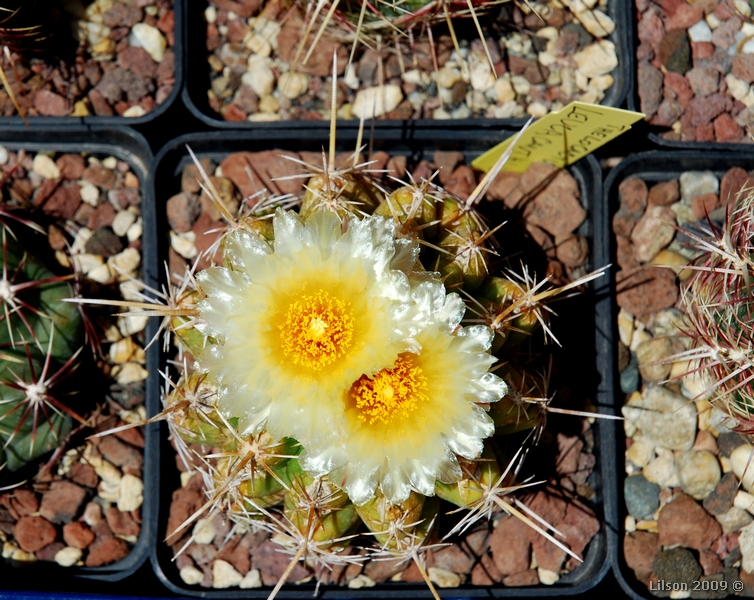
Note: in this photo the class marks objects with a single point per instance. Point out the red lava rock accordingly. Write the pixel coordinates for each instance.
(100, 176)
(702, 111)
(684, 17)
(243, 8)
(99, 104)
(186, 501)
(233, 112)
(510, 546)
(720, 500)
(646, 290)
(711, 564)
(33, 533)
(650, 28)
(485, 572)
(633, 200)
(572, 251)
(703, 205)
(650, 88)
(640, 549)
(625, 253)
(664, 194)
(446, 162)
(102, 216)
(380, 571)
(685, 523)
(62, 502)
(51, 104)
(505, 187)
(121, 523)
(742, 67)
(137, 60)
(272, 563)
(190, 177)
(78, 535)
(71, 166)
(705, 133)
(236, 551)
(569, 449)
(726, 129)
(20, 503)
(396, 166)
(63, 202)
(703, 80)
(701, 50)
(48, 553)
(529, 577)
(556, 209)
(105, 551)
(579, 525)
(453, 558)
(320, 62)
(734, 180)
(725, 36)
(132, 436)
(462, 182)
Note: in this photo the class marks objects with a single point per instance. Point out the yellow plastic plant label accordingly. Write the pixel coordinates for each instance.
(563, 137)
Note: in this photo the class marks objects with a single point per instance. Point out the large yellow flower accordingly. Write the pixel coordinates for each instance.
(298, 324)
(407, 423)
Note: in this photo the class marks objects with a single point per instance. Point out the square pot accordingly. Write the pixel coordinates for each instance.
(170, 164)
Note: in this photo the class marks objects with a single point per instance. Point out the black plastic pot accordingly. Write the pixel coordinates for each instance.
(41, 122)
(170, 162)
(198, 82)
(131, 147)
(652, 167)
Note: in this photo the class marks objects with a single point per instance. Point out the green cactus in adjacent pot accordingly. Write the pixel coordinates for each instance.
(41, 337)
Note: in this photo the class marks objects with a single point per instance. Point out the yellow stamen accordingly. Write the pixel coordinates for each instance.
(317, 329)
(391, 393)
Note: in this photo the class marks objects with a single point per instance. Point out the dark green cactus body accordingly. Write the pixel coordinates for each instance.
(35, 322)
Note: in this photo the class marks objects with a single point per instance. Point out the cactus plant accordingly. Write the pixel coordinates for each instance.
(718, 302)
(331, 374)
(41, 337)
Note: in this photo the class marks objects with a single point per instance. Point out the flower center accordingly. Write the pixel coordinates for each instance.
(391, 393)
(316, 330)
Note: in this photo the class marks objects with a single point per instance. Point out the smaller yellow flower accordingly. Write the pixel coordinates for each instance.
(296, 322)
(407, 424)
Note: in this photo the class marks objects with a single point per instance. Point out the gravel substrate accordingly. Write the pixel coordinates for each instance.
(696, 67)
(82, 506)
(124, 64)
(502, 551)
(540, 65)
(689, 518)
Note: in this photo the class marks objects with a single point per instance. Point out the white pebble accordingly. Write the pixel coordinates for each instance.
(743, 7)
(148, 37)
(183, 244)
(293, 85)
(536, 110)
(3, 155)
(257, 44)
(744, 501)
(204, 532)
(125, 263)
(252, 579)
(597, 59)
(259, 76)
(547, 577)
(210, 14)
(361, 581)
(737, 88)
(444, 578)
(68, 556)
(90, 194)
(130, 372)
(521, 85)
(191, 575)
(351, 80)
(224, 575)
(134, 111)
(45, 167)
(134, 232)
(132, 325)
(743, 465)
(447, 77)
(122, 221)
(131, 493)
(376, 101)
(746, 544)
(482, 77)
(416, 76)
(700, 32)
